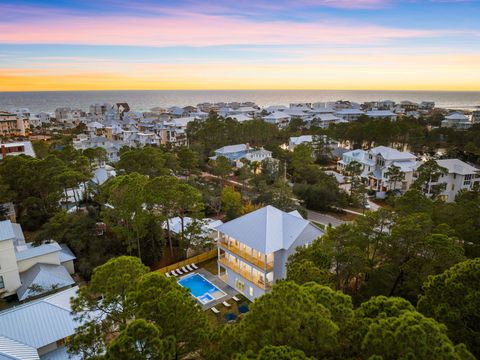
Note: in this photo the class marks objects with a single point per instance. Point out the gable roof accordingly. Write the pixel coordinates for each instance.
(40, 322)
(269, 229)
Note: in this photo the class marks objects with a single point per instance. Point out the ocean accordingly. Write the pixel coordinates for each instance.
(146, 100)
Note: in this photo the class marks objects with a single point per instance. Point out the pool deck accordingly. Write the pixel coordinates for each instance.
(228, 290)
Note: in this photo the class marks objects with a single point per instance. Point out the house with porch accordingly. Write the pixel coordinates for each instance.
(459, 176)
(235, 153)
(375, 165)
(253, 249)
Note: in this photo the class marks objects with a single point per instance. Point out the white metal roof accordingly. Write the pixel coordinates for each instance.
(44, 276)
(40, 322)
(349, 112)
(301, 139)
(65, 253)
(389, 153)
(268, 229)
(34, 251)
(277, 115)
(14, 350)
(207, 224)
(380, 113)
(231, 149)
(456, 116)
(6, 230)
(455, 166)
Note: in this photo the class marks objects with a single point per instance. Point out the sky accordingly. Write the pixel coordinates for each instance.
(240, 44)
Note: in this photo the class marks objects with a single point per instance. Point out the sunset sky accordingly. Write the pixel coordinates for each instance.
(240, 44)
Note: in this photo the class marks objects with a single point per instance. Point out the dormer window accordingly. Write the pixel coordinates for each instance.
(380, 161)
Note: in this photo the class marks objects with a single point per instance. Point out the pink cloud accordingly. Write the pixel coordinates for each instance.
(190, 29)
(349, 4)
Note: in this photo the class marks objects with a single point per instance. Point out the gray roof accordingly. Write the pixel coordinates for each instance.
(455, 166)
(6, 230)
(14, 350)
(269, 229)
(40, 322)
(44, 276)
(389, 153)
(231, 149)
(34, 251)
(66, 254)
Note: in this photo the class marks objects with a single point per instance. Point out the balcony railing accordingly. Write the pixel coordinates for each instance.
(246, 255)
(258, 280)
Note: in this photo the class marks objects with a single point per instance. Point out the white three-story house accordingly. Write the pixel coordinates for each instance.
(253, 249)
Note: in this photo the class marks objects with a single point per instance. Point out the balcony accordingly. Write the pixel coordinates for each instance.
(259, 263)
(257, 280)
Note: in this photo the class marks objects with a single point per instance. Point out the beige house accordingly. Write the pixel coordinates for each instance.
(24, 267)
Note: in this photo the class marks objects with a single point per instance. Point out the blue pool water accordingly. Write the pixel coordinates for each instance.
(199, 287)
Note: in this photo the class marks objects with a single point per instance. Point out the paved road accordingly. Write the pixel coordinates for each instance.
(323, 218)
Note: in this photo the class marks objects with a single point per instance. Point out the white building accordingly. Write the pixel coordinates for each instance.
(475, 116)
(24, 266)
(279, 118)
(461, 176)
(295, 141)
(235, 153)
(457, 120)
(381, 114)
(16, 148)
(253, 249)
(349, 114)
(325, 120)
(375, 164)
(38, 329)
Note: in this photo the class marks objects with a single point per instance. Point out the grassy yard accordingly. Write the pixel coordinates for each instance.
(210, 265)
(219, 319)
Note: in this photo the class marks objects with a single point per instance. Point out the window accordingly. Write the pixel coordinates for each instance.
(2, 283)
(239, 285)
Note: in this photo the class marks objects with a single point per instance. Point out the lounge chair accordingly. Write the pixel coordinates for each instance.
(235, 298)
(167, 274)
(184, 269)
(190, 268)
(215, 310)
(173, 273)
(180, 272)
(226, 304)
(194, 266)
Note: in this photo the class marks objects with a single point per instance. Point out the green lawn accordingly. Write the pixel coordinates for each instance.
(219, 319)
(210, 265)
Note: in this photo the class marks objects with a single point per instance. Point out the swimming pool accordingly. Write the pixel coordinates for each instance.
(200, 288)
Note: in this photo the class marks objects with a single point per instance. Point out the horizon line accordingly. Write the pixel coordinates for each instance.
(242, 90)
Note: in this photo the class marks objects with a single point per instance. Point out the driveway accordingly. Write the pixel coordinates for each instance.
(324, 219)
